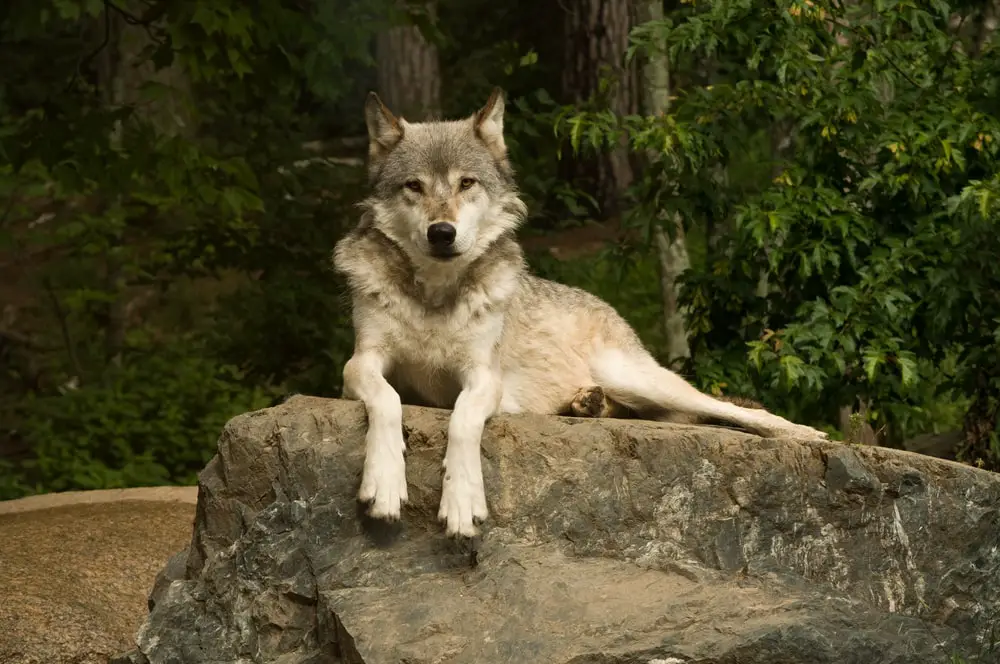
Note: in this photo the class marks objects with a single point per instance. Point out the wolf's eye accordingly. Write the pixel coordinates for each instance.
(414, 186)
(466, 183)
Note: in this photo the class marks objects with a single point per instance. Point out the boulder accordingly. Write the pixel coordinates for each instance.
(610, 541)
(76, 567)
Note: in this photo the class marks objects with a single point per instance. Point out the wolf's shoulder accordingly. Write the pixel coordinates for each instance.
(538, 289)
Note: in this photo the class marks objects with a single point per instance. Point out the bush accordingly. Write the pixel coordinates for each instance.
(154, 420)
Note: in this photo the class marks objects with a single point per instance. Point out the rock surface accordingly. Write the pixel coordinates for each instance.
(76, 567)
(610, 542)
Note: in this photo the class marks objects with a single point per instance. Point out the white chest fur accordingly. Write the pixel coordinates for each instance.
(439, 340)
(431, 348)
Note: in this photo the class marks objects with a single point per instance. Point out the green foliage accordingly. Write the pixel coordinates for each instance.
(153, 421)
(553, 202)
(874, 234)
(835, 166)
(148, 145)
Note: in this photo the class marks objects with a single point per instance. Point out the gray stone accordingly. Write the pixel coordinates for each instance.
(609, 542)
(175, 569)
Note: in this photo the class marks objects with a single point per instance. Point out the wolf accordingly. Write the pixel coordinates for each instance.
(446, 314)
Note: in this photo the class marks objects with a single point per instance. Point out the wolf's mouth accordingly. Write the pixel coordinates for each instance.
(444, 254)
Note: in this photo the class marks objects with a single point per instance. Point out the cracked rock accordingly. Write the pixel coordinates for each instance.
(687, 545)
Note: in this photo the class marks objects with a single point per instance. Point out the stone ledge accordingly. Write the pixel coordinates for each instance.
(609, 541)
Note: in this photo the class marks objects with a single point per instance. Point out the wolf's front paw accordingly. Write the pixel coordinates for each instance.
(463, 503)
(383, 483)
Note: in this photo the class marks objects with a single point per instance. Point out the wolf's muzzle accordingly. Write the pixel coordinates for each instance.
(441, 236)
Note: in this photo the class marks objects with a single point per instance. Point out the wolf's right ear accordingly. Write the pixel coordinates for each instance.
(488, 122)
(384, 130)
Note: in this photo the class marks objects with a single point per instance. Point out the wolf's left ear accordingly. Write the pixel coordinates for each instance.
(489, 124)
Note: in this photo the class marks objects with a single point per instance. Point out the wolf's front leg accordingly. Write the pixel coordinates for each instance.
(463, 495)
(383, 482)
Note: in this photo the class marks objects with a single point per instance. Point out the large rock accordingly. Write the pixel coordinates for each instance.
(609, 542)
(76, 568)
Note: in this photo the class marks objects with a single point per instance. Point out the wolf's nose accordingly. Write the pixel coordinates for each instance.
(441, 234)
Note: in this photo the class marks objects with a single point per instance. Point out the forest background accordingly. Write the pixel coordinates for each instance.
(794, 201)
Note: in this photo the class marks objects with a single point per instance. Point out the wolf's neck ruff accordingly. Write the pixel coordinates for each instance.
(376, 266)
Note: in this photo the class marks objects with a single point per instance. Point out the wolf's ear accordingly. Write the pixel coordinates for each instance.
(488, 122)
(384, 130)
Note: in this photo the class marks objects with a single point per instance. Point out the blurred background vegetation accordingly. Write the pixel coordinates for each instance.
(794, 201)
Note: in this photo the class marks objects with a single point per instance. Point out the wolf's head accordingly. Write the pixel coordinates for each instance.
(443, 191)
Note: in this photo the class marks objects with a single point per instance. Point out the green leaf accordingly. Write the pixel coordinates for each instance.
(908, 368)
(872, 360)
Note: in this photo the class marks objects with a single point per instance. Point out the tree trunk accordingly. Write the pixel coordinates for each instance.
(672, 252)
(409, 74)
(123, 68)
(986, 25)
(674, 262)
(595, 40)
(111, 87)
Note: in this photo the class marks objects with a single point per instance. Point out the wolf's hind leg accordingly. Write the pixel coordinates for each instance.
(634, 379)
(689, 418)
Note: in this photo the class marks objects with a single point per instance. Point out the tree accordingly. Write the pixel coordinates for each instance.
(671, 246)
(118, 190)
(879, 231)
(594, 74)
(409, 74)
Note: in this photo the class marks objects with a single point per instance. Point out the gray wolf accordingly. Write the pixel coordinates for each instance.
(446, 314)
